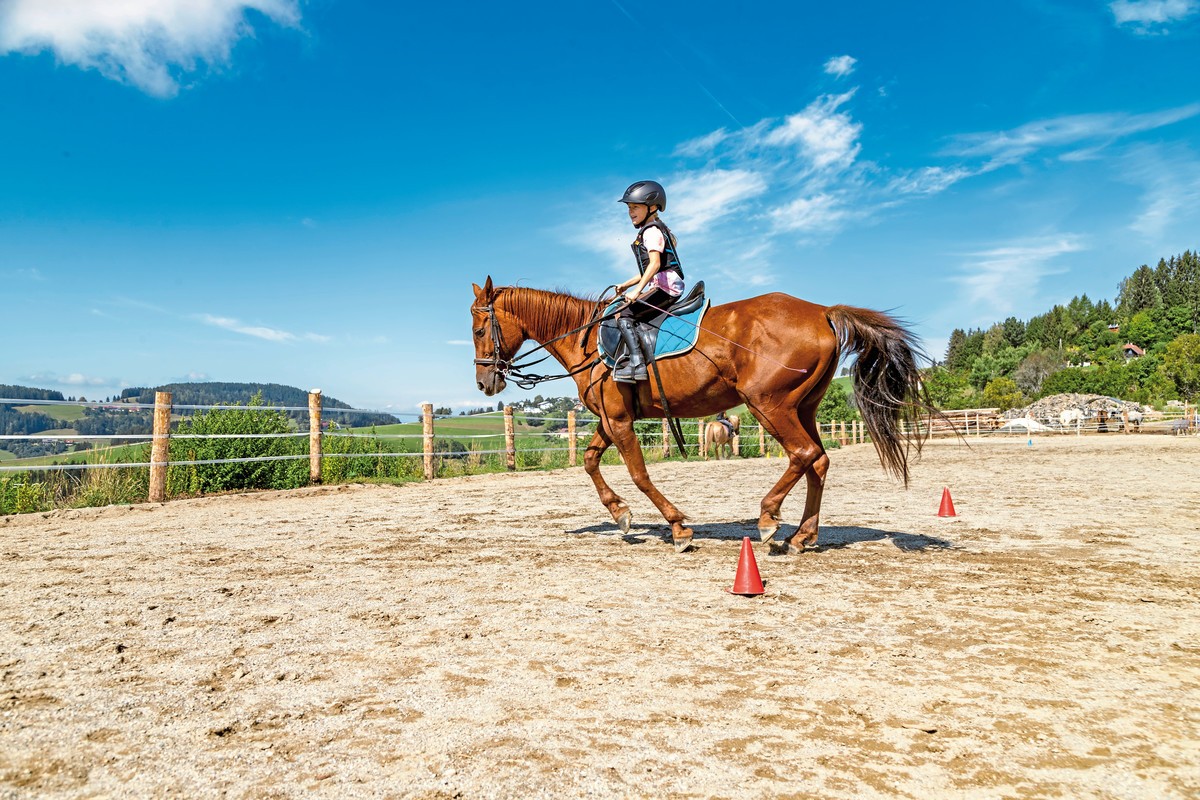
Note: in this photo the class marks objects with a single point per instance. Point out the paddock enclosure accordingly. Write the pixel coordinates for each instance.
(496, 636)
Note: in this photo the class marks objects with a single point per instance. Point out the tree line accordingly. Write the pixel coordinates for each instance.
(1083, 346)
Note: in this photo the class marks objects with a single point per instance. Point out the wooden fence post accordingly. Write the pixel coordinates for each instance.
(161, 449)
(762, 440)
(666, 433)
(314, 436)
(510, 440)
(427, 438)
(572, 442)
(1125, 420)
(737, 443)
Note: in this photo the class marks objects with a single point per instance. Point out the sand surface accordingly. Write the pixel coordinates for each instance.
(496, 636)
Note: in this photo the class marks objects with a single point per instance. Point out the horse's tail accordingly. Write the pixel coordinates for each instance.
(887, 383)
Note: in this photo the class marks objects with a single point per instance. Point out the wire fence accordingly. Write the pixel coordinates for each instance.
(199, 449)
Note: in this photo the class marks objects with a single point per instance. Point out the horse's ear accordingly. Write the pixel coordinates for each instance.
(484, 293)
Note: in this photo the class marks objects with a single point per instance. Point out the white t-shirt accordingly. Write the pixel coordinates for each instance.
(667, 280)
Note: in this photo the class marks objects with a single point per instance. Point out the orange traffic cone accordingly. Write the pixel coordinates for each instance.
(747, 580)
(947, 509)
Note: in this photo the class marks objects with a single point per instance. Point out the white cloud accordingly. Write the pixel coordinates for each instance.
(459, 342)
(24, 273)
(1006, 147)
(145, 43)
(1170, 180)
(826, 136)
(927, 180)
(259, 331)
(1152, 16)
(702, 145)
(698, 199)
(75, 379)
(820, 212)
(996, 281)
(840, 66)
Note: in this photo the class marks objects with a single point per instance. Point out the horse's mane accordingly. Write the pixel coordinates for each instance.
(547, 311)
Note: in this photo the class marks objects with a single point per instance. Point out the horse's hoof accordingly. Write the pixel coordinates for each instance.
(765, 534)
(624, 520)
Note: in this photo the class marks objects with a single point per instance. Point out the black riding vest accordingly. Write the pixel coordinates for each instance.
(669, 260)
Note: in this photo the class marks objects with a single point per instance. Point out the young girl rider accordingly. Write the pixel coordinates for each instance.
(659, 281)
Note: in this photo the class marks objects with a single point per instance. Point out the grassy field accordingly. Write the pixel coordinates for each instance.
(65, 413)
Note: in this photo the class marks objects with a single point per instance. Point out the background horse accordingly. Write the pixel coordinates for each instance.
(774, 353)
(716, 434)
(1071, 419)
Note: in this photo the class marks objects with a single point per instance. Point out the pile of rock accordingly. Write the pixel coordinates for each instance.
(1049, 408)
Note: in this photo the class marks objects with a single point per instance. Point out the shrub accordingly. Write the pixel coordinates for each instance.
(204, 478)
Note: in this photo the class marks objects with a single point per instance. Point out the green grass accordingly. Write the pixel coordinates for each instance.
(127, 453)
(65, 413)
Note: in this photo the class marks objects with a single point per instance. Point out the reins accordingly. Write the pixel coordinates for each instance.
(517, 372)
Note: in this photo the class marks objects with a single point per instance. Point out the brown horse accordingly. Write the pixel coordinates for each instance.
(716, 434)
(775, 353)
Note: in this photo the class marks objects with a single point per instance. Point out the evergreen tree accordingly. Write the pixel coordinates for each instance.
(1138, 292)
(954, 348)
(1014, 331)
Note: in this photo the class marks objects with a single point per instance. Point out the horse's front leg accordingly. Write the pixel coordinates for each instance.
(627, 442)
(620, 511)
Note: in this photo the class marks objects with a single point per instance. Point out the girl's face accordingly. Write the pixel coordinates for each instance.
(638, 213)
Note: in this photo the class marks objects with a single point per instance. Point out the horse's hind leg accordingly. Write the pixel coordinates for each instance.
(806, 457)
(620, 511)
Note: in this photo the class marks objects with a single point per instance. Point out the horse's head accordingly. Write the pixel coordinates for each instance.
(497, 336)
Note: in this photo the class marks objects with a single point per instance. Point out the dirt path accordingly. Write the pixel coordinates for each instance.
(496, 636)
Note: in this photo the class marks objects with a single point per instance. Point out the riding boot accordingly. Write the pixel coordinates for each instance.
(633, 368)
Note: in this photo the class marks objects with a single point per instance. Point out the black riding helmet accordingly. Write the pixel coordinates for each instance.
(648, 193)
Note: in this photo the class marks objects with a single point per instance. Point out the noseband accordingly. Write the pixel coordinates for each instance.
(495, 361)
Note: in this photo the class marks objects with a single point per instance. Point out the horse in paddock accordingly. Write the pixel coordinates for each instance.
(718, 435)
(775, 353)
(1071, 418)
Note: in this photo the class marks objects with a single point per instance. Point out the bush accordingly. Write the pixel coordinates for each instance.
(204, 478)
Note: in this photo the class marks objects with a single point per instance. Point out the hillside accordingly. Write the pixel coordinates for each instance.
(1144, 347)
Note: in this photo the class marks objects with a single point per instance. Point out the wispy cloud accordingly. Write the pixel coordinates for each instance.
(826, 135)
(996, 281)
(840, 66)
(149, 44)
(1006, 147)
(709, 195)
(74, 380)
(1152, 16)
(24, 274)
(459, 342)
(1170, 182)
(259, 331)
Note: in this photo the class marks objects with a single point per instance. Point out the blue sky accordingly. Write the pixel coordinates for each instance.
(303, 192)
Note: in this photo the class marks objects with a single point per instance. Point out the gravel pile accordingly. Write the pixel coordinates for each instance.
(1049, 408)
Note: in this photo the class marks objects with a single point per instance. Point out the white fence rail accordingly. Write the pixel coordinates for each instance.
(660, 440)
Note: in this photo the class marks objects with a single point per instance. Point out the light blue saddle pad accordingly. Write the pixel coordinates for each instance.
(673, 336)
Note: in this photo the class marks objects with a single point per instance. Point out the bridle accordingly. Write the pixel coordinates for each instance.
(495, 361)
(518, 373)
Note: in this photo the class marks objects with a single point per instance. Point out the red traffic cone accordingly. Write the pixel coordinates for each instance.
(747, 580)
(947, 509)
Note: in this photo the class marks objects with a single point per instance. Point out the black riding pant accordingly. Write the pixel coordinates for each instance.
(649, 306)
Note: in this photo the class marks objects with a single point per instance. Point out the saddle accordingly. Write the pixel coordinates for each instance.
(672, 332)
(728, 427)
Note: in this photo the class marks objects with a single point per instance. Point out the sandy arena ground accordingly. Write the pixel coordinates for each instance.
(496, 636)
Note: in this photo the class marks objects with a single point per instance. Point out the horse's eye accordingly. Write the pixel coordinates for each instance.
(478, 333)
